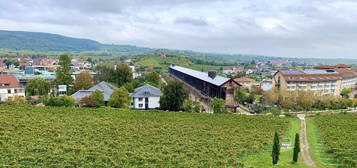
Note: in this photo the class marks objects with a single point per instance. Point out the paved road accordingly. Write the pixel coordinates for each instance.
(304, 143)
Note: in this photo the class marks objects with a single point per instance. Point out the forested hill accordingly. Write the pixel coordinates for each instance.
(19, 40)
(36, 41)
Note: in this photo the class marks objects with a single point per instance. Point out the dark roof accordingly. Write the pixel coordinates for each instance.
(82, 93)
(218, 80)
(9, 81)
(105, 87)
(146, 91)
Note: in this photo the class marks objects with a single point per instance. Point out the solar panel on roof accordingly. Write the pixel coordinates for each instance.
(291, 72)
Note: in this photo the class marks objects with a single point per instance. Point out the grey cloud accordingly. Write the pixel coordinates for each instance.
(191, 21)
(299, 28)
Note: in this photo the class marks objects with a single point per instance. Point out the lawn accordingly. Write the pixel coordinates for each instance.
(104, 137)
(263, 158)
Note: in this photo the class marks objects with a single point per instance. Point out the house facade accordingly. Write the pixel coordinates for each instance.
(319, 81)
(146, 97)
(10, 87)
(245, 82)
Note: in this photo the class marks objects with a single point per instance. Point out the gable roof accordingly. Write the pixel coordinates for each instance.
(146, 91)
(297, 75)
(243, 80)
(105, 87)
(82, 93)
(218, 80)
(9, 81)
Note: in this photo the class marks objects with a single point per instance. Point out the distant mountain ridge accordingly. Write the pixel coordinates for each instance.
(38, 41)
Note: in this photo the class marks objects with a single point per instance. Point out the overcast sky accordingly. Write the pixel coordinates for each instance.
(291, 28)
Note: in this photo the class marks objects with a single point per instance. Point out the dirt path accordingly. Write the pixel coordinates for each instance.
(304, 144)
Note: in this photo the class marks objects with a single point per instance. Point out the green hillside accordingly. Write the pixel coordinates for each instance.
(82, 137)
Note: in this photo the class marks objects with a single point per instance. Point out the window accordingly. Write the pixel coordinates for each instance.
(141, 105)
(8, 90)
(140, 99)
(15, 90)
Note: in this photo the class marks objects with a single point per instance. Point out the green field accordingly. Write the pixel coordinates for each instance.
(104, 137)
(338, 134)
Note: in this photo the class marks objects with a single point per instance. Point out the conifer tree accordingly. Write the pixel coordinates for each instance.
(276, 149)
(296, 148)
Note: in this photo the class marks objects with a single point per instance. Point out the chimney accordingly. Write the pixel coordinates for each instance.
(212, 74)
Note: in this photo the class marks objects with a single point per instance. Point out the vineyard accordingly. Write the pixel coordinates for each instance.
(339, 135)
(104, 137)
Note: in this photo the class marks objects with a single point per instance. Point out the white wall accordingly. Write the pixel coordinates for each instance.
(153, 103)
(4, 95)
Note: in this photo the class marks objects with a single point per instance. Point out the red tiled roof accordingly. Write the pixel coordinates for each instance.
(346, 73)
(228, 68)
(324, 67)
(311, 77)
(343, 66)
(332, 66)
(9, 81)
(243, 80)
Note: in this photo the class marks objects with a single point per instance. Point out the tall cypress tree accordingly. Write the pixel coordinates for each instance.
(276, 149)
(296, 148)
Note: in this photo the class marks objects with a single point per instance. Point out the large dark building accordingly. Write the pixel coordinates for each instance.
(208, 84)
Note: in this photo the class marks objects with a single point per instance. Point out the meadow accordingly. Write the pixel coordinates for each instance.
(105, 137)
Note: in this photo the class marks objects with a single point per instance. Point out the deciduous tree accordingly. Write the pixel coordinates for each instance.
(153, 78)
(120, 98)
(38, 87)
(122, 74)
(96, 99)
(83, 81)
(63, 73)
(173, 96)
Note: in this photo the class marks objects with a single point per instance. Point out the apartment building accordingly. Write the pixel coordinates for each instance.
(321, 81)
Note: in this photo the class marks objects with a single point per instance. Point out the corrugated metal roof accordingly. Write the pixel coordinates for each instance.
(218, 80)
(146, 91)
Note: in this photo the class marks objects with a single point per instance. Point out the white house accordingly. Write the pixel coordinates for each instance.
(10, 87)
(146, 97)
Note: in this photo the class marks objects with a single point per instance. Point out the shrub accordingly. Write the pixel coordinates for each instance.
(96, 99)
(120, 98)
(16, 100)
(345, 92)
(218, 106)
(192, 106)
(274, 111)
(65, 100)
